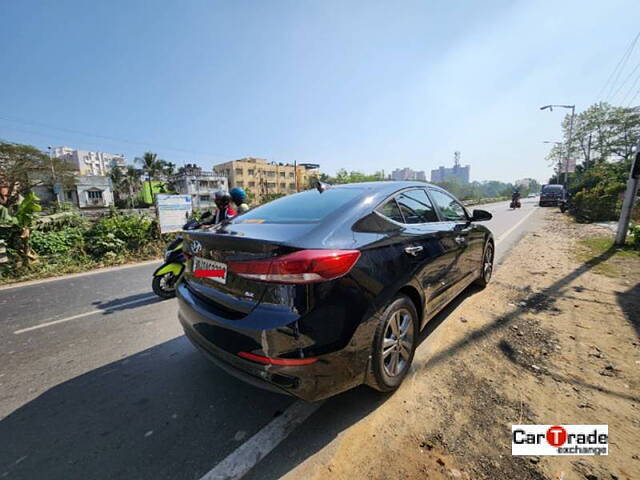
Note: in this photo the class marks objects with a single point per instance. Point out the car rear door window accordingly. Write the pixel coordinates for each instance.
(416, 207)
(450, 209)
(392, 211)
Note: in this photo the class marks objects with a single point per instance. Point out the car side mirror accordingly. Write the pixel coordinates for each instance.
(481, 216)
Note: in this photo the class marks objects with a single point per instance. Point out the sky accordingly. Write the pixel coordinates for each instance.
(361, 85)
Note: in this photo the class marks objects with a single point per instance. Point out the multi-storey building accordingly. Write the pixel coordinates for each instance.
(263, 178)
(202, 186)
(87, 162)
(456, 174)
(407, 174)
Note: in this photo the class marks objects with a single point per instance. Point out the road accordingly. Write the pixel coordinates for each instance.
(97, 381)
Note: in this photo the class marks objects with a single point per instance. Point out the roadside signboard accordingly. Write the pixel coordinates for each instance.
(173, 211)
(569, 166)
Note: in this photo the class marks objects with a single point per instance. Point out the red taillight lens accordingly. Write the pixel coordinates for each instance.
(305, 266)
(276, 361)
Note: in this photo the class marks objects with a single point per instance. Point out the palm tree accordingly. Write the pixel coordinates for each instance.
(117, 178)
(151, 166)
(131, 180)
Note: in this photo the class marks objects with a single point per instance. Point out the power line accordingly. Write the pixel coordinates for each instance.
(625, 82)
(109, 138)
(617, 70)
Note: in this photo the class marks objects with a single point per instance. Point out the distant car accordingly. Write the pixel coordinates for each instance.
(318, 292)
(551, 195)
(532, 195)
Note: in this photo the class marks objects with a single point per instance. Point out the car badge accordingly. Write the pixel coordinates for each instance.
(196, 247)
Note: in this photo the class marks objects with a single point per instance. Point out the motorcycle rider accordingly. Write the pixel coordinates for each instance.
(238, 197)
(225, 211)
(515, 198)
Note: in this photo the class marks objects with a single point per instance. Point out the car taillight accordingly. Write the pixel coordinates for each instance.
(305, 266)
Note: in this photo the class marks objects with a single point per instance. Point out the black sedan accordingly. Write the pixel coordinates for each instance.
(324, 290)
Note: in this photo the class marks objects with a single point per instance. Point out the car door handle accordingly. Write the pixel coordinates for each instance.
(413, 250)
(460, 240)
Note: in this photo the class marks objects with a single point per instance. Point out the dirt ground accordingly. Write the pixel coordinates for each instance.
(550, 341)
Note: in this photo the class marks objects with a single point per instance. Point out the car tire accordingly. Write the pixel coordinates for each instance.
(486, 267)
(394, 344)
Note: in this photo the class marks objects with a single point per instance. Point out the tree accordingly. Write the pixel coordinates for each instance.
(23, 167)
(152, 166)
(16, 223)
(131, 181)
(601, 133)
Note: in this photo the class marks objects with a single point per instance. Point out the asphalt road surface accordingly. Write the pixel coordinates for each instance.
(97, 381)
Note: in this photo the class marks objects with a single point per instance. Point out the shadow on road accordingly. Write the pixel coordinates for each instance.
(126, 303)
(165, 412)
(509, 352)
(629, 301)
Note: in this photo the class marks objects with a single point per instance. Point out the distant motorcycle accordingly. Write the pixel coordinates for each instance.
(167, 275)
(515, 203)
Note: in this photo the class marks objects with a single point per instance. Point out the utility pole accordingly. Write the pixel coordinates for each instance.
(566, 167)
(629, 198)
(53, 175)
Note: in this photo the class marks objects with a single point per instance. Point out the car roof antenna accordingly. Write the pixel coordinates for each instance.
(321, 186)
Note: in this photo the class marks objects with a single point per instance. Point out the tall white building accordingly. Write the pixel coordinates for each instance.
(87, 162)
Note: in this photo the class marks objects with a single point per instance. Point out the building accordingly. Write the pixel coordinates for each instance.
(523, 183)
(267, 178)
(89, 163)
(408, 174)
(202, 186)
(83, 191)
(455, 174)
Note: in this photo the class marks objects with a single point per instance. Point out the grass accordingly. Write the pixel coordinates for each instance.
(624, 258)
(46, 267)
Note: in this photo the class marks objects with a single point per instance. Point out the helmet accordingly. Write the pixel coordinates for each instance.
(222, 199)
(237, 195)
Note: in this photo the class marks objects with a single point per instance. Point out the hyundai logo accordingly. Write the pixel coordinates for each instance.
(196, 247)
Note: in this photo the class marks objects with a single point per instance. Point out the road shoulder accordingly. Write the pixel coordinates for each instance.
(550, 341)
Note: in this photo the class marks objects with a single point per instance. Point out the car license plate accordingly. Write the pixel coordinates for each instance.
(203, 268)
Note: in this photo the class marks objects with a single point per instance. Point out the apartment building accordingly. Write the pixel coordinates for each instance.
(407, 174)
(87, 162)
(201, 185)
(262, 177)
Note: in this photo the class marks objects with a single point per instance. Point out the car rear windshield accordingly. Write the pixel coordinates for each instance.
(552, 188)
(305, 207)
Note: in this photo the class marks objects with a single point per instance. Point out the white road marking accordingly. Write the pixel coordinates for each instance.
(508, 232)
(246, 456)
(112, 308)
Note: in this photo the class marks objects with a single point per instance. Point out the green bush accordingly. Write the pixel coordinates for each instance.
(635, 236)
(118, 233)
(57, 242)
(598, 204)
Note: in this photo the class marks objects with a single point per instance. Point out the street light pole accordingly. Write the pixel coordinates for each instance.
(568, 149)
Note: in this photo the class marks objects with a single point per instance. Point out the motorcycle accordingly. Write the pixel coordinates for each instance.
(166, 276)
(515, 203)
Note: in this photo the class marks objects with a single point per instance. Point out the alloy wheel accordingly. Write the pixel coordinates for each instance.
(487, 263)
(397, 343)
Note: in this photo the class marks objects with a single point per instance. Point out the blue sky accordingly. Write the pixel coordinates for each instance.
(360, 85)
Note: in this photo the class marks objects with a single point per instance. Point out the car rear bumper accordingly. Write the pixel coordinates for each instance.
(332, 373)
